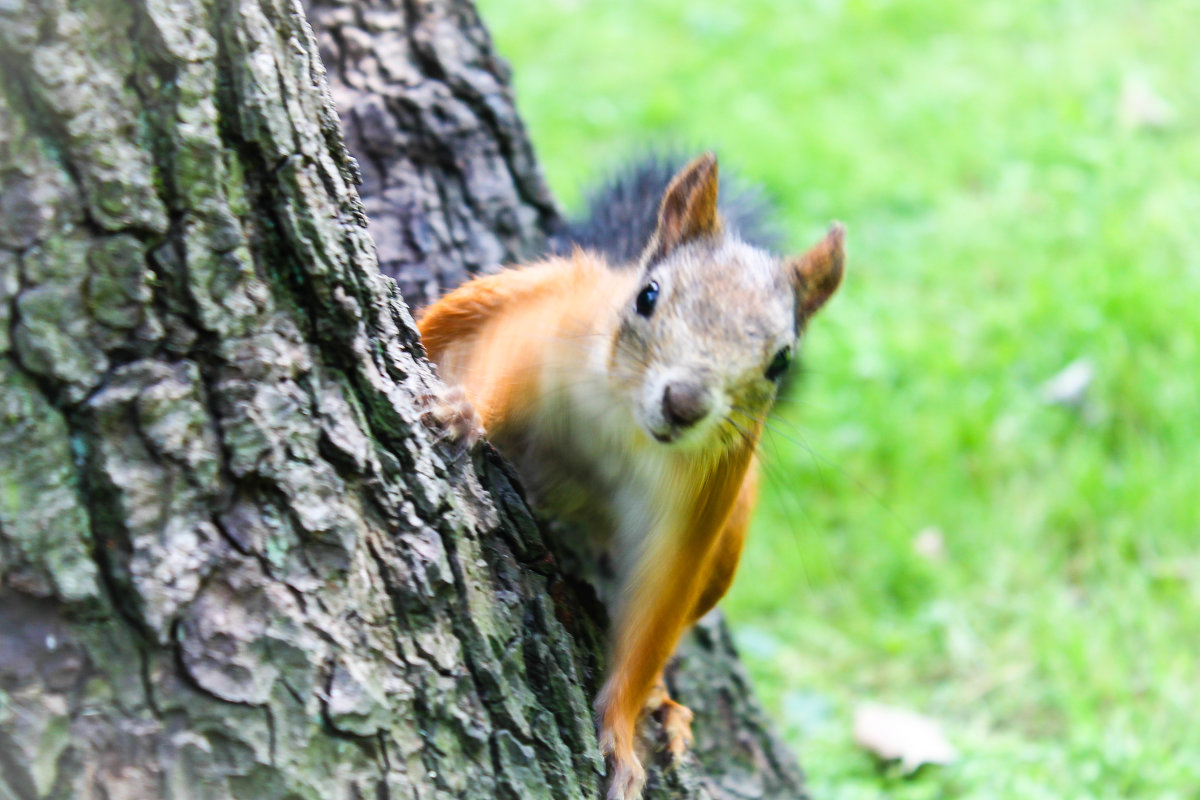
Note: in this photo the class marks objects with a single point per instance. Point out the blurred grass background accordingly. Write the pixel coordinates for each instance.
(1021, 185)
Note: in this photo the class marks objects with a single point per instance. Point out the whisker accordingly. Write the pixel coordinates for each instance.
(747, 437)
(766, 423)
(819, 461)
(795, 510)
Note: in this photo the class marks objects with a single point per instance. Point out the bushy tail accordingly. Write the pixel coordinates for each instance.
(622, 212)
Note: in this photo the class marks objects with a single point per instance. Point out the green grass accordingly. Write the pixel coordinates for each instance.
(1003, 222)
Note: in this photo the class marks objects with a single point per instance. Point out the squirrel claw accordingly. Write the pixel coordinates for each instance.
(676, 721)
(675, 718)
(454, 419)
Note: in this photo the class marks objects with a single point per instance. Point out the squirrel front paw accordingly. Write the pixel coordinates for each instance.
(628, 779)
(452, 416)
(626, 776)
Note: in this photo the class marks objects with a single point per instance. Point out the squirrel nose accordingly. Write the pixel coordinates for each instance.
(684, 404)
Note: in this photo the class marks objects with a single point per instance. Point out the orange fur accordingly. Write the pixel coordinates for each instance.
(718, 575)
(498, 335)
(664, 592)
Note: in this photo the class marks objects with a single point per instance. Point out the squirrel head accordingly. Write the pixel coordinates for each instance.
(702, 345)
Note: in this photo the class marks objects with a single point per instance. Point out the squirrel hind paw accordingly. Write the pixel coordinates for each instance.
(676, 720)
(452, 416)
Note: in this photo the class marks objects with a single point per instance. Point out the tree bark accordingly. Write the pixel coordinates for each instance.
(233, 563)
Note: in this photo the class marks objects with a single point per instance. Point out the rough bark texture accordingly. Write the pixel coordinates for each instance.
(232, 561)
(449, 178)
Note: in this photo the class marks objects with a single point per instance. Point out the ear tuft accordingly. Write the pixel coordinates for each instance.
(818, 272)
(689, 207)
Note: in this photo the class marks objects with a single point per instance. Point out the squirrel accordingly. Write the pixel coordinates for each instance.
(632, 395)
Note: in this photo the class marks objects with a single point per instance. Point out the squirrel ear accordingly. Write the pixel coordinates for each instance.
(689, 207)
(817, 273)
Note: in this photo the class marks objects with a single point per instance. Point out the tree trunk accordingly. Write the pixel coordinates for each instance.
(232, 561)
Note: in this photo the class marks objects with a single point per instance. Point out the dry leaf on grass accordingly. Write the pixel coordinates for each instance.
(896, 734)
(1070, 386)
(1141, 107)
(930, 543)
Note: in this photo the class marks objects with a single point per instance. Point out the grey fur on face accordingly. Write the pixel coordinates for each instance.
(691, 341)
(622, 212)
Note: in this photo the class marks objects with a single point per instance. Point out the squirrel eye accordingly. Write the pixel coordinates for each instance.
(646, 299)
(779, 364)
